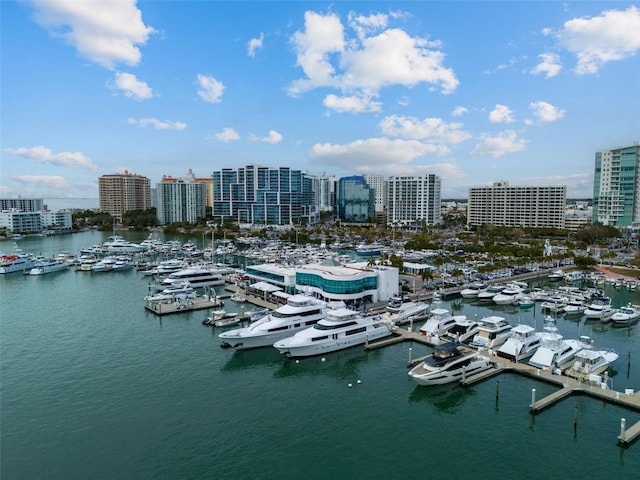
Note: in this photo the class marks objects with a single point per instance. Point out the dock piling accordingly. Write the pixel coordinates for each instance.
(533, 399)
(410, 352)
(623, 427)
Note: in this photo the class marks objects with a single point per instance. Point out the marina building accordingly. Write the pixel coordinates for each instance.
(331, 281)
(414, 201)
(356, 200)
(180, 199)
(22, 204)
(530, 206)
(123, 192)
(16, 221)
(257, 195)
(616, 186)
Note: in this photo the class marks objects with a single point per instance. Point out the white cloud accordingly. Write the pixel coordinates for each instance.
(545, 112)
(501, 114)
(210, 89)
(549, 65)
(614, 35)
(434, 130)
(459, 111)
(499, 145)
(107, 33)
(273, 137)
(351, 104)
(42, 154)
(361, 65)
(157, 124)
(227, 134)
(131, 86)
(255, 44)
(44, 180)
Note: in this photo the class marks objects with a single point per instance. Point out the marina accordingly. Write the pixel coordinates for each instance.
(110, 369)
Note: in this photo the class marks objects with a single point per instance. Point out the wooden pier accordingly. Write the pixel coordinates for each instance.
(180, 306)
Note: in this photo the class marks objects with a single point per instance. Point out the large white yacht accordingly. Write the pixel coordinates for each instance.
(439, 323)
(463, 331)
(449, 363)
(509, 296)
(16, 263)
(521, 344)
(341, 328)
(300, 311)
(493, 332)
(48, 265)
(116, 244)
(600, 309)
(591, 362)
(196, 276)
(406, 312)
(555, 352)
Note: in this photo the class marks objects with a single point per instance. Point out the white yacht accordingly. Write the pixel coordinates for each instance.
(341, 328)
(48, 265)
(521, 344)
(104, 265)
(487, 294)
(172, 293)
(167, 267)
(493, 332)
(406, 312)
(463, 331)
(472, 290)
(16, 263)
(555, 352)
(300, 311)
(575, 307)
(600, 309)
(116, 244)
(509, 296)
(196, 276)
(439, 323)
(554, 304)
(556, 276)
(449, 363)
(626, 315)
(591, 362)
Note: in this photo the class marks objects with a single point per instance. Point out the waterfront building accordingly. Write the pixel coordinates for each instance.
(61, 220)
(517, 206)
(379, 185)
(330, 280)
(180, 199)
(16, 221)
(257, 195)
(324, 189)
(356, 200)
(616, 199)
(414, 201)
(123, 192)
(22, 204)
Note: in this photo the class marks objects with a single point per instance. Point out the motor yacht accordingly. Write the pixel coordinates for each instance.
(575, 307)
(196, 276)
(173, 293)
(48, 265)
(439, 322)
(490, 292)
(626, 315)
(406, 312)
(300, 312)
(463, 331)
(591, 362)
(554, 304)
(104, 265)
(341, 328)
(521, 344)
(556, 276)
(450, 362)
(472, 290)
(555, 352)
(117, 244)
(509, 296)
(600, 309)
(16, 263)
(493, 332)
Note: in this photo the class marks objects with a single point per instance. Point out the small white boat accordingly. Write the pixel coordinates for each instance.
(487, 294)
(522, 343)
(575, 307)
(472, 290)
(49, 265)
(450, 362)
(227, 319)
(626, 315)
(509, 296)
(554, 304)
(556, 276)
(236, 297)
(591, 362)
(526, 302)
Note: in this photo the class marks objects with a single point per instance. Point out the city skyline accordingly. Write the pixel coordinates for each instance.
(474, 92)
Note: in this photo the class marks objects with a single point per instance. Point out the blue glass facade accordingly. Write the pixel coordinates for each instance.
(356, 200)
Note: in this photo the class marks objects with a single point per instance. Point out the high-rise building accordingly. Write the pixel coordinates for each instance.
(355, 200)
(379, 185)
(123, 192)
(413, 201)
(262, 195)
(324, 190)
(180, 199)
(530, 206)
(22, 204)
(616, 186)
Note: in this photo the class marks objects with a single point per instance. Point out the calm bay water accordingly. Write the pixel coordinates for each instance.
(93, 386)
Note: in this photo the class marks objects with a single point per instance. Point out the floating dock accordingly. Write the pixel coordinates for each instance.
(181, 306)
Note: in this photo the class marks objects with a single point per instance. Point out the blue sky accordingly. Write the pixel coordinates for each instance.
(475, 92)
